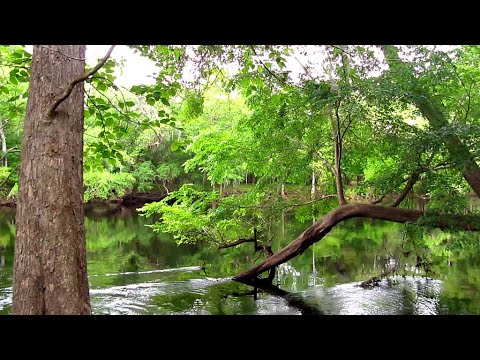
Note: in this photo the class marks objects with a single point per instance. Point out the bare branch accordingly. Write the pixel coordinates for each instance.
(342, 50)
(265, 67)
(13, 149)
(85, 76)
(235, 243)
(11, 173)
(408, 187)
(379, 200)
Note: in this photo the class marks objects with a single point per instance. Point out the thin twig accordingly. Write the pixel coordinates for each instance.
(13, 149)
(85, 76)
(11, 172)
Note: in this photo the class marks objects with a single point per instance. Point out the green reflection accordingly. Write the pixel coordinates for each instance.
(122, 252)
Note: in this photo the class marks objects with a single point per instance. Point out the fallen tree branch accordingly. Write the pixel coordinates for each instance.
(235, 243)
(322, 227)
(375, 280)
(292, 300)
(379, 200)
(70, 86)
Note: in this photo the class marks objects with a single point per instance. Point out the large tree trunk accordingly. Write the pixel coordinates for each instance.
(437, 119)
(322, 227)
(50, 270)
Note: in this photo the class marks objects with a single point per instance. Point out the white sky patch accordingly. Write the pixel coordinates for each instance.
(137, 69)
(141, 70)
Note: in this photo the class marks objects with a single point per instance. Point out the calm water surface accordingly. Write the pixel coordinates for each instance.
(135, 271)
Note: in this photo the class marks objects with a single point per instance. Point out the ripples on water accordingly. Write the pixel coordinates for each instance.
(410, 295)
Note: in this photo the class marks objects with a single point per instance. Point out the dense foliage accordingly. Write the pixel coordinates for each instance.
(265, 131)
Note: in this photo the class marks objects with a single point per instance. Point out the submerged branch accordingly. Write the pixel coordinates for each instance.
(322, 227)
(292, 299)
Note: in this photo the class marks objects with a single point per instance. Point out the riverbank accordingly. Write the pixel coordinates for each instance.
(131, 199)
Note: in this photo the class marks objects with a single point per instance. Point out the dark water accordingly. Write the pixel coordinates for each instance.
(135, 271)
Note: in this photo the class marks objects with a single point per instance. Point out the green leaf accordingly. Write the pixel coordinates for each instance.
(109, 121)
(165, 102)
(101, 86)
(151, 101)
(174, 146)
(129, 103)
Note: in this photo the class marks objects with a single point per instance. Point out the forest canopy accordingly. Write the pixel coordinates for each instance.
(231, 137)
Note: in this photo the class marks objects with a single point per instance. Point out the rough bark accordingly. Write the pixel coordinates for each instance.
(435, 114)
(50, 270)
(322, 227)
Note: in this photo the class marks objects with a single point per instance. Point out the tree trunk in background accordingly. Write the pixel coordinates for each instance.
(337, 169)
(338, 175)
(3, 139)
(282, 192)
(437, 120)
(50, 269)
(313, 188)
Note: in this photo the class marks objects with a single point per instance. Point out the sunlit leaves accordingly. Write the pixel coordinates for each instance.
(102, 185)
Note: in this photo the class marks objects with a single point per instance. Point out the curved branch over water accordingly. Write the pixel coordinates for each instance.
(322, 227)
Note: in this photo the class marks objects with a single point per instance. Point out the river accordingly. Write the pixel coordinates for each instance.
(133, 270)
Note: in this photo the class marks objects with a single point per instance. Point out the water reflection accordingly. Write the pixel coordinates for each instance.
(135, 271)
